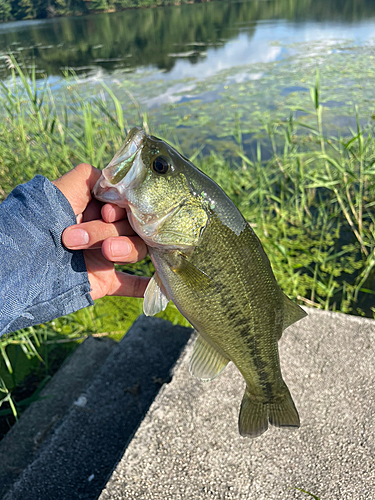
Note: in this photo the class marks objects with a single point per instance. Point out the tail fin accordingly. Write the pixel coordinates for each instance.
(254, 416)
(253, 419)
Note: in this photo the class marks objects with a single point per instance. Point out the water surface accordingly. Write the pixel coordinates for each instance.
(185, 41)
(204, 67)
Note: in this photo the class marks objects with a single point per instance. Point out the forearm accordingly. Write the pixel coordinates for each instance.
(39, 278)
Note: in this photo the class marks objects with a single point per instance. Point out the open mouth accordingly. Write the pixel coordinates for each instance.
(121, 163)
(106, 187)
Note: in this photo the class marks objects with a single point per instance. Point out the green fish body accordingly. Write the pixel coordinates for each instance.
(211, 264)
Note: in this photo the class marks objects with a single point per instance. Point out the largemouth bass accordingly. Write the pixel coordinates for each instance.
(211, 264)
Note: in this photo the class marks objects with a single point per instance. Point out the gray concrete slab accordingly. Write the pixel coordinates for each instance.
(75, 460)
(188, 446)
(21, 444)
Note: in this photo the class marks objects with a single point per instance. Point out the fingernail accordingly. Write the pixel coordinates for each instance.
(111, 214)
(76, 238)
(120, 248)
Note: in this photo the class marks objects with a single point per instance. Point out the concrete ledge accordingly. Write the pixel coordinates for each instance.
(74, 462)
(188, 446)
(22, 442)
(179, 440)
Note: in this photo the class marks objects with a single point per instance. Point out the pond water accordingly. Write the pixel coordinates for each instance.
(193, 41)
(249, 58)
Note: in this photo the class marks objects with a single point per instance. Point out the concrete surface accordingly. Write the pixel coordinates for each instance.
(187, 447)
(76, 458)
(22, 442)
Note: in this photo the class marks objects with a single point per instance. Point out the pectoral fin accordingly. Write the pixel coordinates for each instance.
(195, 278)
(206, 362)
(155, 300)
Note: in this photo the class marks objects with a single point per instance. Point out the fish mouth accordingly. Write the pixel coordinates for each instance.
(109, 187)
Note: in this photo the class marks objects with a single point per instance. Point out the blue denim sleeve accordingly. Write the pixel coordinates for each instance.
(39, 278)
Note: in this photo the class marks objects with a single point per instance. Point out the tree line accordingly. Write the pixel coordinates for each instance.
(41, 9)
(291, 9)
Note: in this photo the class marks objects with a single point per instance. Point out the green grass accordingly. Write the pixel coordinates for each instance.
(308, 493)
(310, 200)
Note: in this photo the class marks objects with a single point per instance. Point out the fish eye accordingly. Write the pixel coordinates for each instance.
(160, 165)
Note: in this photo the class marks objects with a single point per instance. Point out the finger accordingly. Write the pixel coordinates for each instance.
(77, 184)
(104, 280)
(128, 285)
(90, 235)
(112, 213)
(93, 211)
(124, 249)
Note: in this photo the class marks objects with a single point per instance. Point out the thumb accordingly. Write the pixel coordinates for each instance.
(77, 185)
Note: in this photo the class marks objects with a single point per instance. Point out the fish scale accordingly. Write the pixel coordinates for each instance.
(238, 299)
(211, 264)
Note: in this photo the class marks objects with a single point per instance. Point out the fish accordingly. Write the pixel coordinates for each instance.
(210, 263)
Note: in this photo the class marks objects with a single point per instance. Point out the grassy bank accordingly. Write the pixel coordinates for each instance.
(309, 198)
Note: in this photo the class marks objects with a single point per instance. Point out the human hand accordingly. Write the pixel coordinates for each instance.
(104, 234)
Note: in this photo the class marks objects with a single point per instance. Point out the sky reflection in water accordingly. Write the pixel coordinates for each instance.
(228, 40)
(269, 42)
